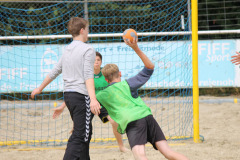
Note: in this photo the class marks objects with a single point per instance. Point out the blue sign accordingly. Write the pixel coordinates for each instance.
(215, 67)
(23, 68)
(172, 62)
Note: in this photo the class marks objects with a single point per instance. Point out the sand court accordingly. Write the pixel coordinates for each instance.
(219, 125)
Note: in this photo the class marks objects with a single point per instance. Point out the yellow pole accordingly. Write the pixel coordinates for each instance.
(196, 137)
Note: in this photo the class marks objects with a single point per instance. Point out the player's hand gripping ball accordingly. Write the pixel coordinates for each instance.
(130, 34)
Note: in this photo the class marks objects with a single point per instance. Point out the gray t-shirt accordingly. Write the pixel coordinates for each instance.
(76, 66)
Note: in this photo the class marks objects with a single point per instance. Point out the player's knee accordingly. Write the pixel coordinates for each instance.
(139, 152)
(168, 154)
(140, 155)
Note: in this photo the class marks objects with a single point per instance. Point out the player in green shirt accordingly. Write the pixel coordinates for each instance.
(100, 83)
(99, 80)
(127, 109)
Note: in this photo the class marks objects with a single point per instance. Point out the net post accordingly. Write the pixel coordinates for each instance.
(196, 136)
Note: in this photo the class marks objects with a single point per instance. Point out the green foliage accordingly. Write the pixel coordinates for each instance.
(218, 15)
(114, 17)
(25, 19)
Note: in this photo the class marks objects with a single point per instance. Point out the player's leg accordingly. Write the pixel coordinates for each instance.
(168, 153)
(139, 152)
(117, 135)
(70, 132)
(137, 137)
(78, 143)
(158, 140)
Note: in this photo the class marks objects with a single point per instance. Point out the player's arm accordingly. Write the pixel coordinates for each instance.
(236, 58)
(38, 90)
(146, 61)
(94, 105)
(88, 76)
(144, 75)
(58, 111)
(49, 78)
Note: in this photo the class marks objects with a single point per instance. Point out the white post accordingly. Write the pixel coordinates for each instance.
(86, 9)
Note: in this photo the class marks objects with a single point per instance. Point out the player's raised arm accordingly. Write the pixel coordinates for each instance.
(146, 61)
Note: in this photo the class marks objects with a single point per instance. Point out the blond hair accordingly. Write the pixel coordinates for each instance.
(110, 72)
(75, 25)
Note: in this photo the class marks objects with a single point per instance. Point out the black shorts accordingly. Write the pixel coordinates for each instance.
(103, 115)
(144, 130)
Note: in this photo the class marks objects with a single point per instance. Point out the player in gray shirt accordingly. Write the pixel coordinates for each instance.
(76, 66)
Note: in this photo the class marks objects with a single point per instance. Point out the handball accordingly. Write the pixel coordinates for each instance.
(130, 34)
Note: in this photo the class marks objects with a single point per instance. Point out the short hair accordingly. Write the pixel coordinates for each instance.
(110, 72)
(75, 25)
(99, 55)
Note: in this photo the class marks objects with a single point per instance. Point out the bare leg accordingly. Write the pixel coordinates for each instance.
(139, 152)
(71, 130)
(117, 135)
(168, 153)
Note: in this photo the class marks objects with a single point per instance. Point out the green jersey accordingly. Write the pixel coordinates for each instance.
(99, 82)
(121, 106)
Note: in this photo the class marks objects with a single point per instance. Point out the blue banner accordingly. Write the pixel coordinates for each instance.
(215, 67)
(172, 62)
(23, 68)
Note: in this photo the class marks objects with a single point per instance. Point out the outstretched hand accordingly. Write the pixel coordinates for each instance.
(236, 58)
(57, 111)
(34, 92)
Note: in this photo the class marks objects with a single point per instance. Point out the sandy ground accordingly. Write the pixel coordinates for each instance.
(219, 125)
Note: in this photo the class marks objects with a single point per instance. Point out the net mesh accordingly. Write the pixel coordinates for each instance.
(25, 61)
